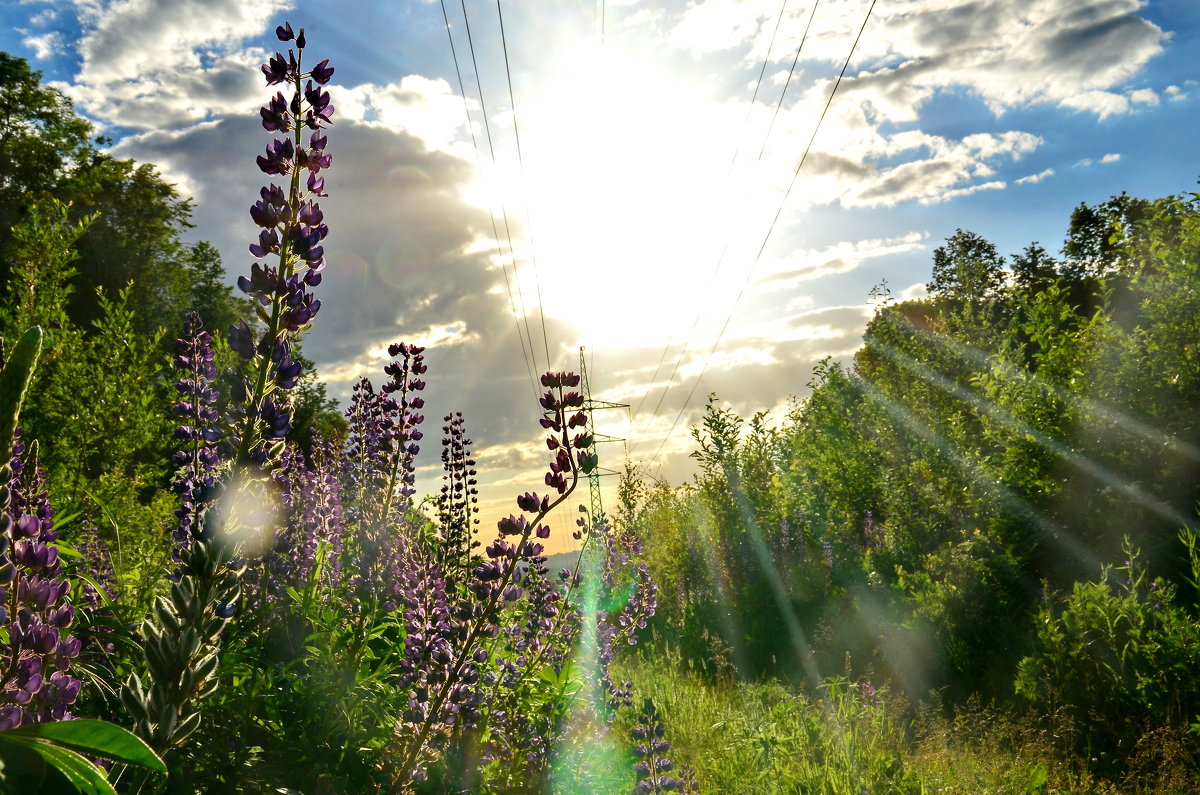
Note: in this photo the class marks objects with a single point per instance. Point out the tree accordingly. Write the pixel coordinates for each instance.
(204, 274)
(1098, 235)
(42, 139)
(967, 268)
(136, 239)
(1033, 269)
(46, 153)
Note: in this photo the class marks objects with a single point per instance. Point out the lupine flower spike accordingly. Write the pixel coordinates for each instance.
(182, 638)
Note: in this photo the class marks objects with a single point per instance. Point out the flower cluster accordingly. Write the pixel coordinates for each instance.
(99, 568)
(524, 725)
(311, 495)
(380, 472)
(292, 230)
(200, 433)
(400, 434)
(458, 502)
(652, 766)
(35, 685)
(439, 669)
(495, 582)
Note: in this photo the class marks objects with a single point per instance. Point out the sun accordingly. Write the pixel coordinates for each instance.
(627, 191)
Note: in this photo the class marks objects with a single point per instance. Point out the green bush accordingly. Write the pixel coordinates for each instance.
(1120, 655)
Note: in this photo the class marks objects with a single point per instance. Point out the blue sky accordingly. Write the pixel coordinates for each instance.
(997, 116)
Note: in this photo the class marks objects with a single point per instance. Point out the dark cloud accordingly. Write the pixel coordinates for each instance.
(398, 265)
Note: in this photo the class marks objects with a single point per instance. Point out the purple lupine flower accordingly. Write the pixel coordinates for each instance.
(621, 573)
(403, 435)
(35, 686)
(309, 496)
(650, 748)
(439, 672)
(381, 451)
(199, 458)
(496, 581)
(524, 726)
(322, 72)
(457, 504)
(98, 565)
(292, 228)
(872, 532)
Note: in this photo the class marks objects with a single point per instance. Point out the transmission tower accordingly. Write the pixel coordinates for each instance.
(591, 406)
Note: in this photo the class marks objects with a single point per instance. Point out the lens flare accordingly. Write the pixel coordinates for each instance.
(246, 514)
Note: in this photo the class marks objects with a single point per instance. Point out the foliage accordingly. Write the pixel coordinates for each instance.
(133, 220)
(999, 438)
(1118, 654)
(53, 757)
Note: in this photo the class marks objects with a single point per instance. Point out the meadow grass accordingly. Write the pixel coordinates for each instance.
(768, 737)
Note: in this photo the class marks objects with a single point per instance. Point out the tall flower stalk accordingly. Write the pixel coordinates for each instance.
(437, 711)
(182, 638)
(35, 685)
(458, 502)
(292, 229)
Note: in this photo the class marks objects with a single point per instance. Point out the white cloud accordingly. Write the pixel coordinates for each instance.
(1143, 96)
(428, 109)
(44, 45)
(149, 65)
(945, 174)
(715, 25)
(800, 266)
(960, 192)
(1111, 157)
(1101, 103)
(1033, 179)
(1007, 52)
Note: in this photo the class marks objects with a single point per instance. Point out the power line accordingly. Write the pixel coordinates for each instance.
(770, 230)
(788, 82)
(521, 163)
(487, 127)
(491, 214)
(721, 259)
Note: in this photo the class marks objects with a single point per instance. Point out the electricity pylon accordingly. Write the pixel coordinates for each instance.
(591, 406)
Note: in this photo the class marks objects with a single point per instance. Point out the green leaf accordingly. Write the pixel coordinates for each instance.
(61, 769)
(82, 774)
(59, 523)
(66, 550)
(102, 594)
(95, 737)
(22, 765)
(14, 382)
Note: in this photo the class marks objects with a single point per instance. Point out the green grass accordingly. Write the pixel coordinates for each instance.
(764, 737)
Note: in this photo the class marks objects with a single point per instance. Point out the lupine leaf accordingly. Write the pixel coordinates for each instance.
(101, 594)
(64, 771)
(20, 764)
(14, 382)
(64, 549)
(96, 737)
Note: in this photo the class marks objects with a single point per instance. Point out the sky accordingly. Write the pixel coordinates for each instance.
(676, 187)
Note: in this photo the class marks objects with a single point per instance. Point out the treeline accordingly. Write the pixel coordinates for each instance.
(93, 249)
(995, 498)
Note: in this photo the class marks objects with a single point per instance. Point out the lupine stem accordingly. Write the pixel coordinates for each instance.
(396, 459)
(409, 754)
